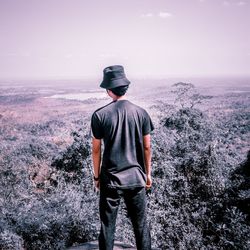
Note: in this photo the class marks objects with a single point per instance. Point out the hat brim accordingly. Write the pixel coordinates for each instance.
(111, 84)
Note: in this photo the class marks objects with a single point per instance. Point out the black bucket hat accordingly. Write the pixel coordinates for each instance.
(113, 77)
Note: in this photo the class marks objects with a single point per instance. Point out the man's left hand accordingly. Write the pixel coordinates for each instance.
(97, 184)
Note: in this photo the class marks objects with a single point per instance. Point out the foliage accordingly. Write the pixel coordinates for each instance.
(192, 173)
(10, 240)
(200, 194)
(58, 220)
(73, 160)
(186, 95)
(239, 188)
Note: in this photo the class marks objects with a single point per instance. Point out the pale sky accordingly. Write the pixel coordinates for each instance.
(69, 39)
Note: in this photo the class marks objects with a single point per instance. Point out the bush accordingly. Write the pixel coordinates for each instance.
(58, 220)
(10, 241)
(200, 193)
(72, 159)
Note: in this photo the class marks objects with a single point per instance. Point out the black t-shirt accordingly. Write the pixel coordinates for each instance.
(122, 125)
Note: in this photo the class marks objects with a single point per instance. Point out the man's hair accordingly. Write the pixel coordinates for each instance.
(120, 91)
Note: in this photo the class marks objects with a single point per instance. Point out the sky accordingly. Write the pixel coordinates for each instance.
(74, 39)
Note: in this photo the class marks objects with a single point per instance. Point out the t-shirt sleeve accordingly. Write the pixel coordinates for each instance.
(147, 125)
(96, 127)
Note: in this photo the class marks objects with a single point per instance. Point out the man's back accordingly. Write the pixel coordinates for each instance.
(122, 125)
(124, 168)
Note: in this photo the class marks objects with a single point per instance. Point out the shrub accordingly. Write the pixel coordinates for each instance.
(10, 240)
(200, 193)
(71, 160)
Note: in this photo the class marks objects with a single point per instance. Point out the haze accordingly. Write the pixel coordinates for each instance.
(71, 39)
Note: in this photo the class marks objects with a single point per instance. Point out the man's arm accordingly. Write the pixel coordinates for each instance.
(96, 156)
(147, 159)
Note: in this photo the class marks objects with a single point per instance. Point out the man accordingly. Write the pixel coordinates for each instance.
(124, 170)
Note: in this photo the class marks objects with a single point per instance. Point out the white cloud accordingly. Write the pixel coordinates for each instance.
(165, 15)
(162, 15)
(241, 3)
(12, 54)
(19, 54)
(147, 15)
(226, 3)
(25, 54)
(68, 56)
(108, 55)
(238, 3)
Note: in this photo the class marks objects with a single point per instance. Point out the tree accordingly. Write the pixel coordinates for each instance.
(186, 95)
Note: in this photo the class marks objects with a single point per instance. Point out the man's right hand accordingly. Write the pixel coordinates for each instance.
(148, 182)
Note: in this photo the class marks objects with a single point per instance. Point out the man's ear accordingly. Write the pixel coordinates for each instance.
(110, 93)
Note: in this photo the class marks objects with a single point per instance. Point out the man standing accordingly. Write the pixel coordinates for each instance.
(124, 169)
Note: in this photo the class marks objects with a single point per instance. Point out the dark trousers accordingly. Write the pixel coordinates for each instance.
(135, 200)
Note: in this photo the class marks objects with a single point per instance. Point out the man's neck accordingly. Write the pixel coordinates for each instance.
(119, 98)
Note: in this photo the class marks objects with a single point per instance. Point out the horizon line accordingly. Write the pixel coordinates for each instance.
(92, 78)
